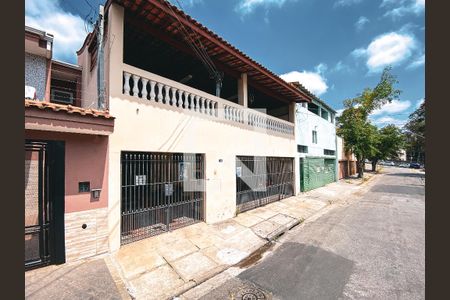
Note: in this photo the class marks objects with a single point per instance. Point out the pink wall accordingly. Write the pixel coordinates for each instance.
(85, 160)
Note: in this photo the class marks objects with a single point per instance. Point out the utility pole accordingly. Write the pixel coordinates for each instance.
(100, 62)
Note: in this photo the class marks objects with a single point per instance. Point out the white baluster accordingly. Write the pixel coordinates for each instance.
(216, 109)
(196, 103)
(167, 94)
(191, 103)
(207, 106)
(202, 110)
(174, 96)
(180, 98)
(160, 95)
(144, 88)
(135, 85)
(186, 100)
(126, 84)
(152, 90)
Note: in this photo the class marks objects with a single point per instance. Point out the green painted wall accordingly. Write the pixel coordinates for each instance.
(316, 172)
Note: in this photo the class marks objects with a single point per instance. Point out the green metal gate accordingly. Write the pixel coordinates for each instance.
(316, 172)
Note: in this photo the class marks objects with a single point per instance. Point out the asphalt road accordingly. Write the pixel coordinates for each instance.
(369, 247)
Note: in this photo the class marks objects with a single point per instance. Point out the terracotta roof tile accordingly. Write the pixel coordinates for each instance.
(68, 109)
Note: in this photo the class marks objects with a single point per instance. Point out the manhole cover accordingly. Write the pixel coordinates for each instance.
(250, 293)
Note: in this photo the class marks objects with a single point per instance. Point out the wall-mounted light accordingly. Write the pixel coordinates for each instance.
(96, 193)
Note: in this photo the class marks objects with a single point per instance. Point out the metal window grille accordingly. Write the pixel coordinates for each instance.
(160, 192)
(262, 180)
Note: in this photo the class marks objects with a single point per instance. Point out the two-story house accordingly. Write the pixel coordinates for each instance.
(202, 131)
(316, 143)
(66, 144)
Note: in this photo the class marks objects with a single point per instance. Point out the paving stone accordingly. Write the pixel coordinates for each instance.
(282, 219)
(263, 212)
(158, 282)
(264, 229)
(173, 250)
(135, 260)
(194, 266)
(247, 219)
(227, 229)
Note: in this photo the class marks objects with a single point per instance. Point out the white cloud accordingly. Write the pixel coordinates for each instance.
(68, 29)
(313, 81)
(389, 120)
(419, 102)
(340, 66)
(339, 112)
(406, 7)
(245, 7)
(346, 2)
(387, 49)
(393, 107)
(419, 61)
(362, 21)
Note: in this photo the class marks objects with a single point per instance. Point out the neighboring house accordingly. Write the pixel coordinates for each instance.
(316, 144)
(66, 174)
(187, 148)
(347, 160)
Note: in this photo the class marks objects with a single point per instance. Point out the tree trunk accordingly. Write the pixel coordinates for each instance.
(360, 166)
(374, 165)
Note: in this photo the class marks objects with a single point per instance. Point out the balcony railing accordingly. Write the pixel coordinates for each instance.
(176, 96)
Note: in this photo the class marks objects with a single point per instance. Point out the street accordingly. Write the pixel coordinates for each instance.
(369, 246)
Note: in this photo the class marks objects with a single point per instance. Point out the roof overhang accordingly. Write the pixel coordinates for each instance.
(38, 42)
(161, 16)
(63, 118)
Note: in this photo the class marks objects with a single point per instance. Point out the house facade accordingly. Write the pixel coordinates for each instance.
(191, 142)
(66, 167)
(346, 159)
(316, 144)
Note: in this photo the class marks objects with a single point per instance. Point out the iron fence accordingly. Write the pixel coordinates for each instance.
(261, 180)
(160, 192)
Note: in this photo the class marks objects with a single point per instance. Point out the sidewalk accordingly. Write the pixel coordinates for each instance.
(169, 264)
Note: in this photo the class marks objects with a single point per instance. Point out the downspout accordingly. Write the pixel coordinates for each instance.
(100, 62)
(337, 158)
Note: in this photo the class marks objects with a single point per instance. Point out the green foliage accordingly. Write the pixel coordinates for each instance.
(389, 143)
(415, 133)
(360, 136)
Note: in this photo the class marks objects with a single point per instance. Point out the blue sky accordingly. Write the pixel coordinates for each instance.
(335, 48)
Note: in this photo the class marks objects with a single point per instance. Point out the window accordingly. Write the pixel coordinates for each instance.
(313, 108)
(324, 113)
(302, 149)
(329, 152)
(314, 137)
(59, 96)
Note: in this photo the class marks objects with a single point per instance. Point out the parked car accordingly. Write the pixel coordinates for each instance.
(414, 165)
(404, 165)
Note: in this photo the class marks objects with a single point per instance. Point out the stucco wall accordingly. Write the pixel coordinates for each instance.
(85, 160)
(326, 132)
(144, 126)
(36, 73)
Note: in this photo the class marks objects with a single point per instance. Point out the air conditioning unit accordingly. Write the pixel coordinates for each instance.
(61, 96)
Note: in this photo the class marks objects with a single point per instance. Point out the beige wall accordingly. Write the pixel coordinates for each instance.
(141, 125)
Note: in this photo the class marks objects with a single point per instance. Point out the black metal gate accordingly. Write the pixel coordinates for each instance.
(261, 180)
(160, 192)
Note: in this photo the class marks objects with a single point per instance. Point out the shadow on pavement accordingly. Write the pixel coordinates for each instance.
(417, 175)
(295, 271)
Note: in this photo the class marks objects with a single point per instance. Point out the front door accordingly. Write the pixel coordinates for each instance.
(44, 203)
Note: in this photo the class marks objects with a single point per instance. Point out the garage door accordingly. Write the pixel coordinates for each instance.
(160, 192)
(316, 172)
(261, 180)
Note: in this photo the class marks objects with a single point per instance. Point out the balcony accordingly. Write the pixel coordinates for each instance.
(172, 95)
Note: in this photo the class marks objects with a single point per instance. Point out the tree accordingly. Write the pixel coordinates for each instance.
(390, 140)
(415, 134)
(353, 125)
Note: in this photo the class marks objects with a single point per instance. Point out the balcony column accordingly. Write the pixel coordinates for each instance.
(243, 95)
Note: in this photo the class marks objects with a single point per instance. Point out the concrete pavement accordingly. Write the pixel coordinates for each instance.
(169, 264)
(368, 246)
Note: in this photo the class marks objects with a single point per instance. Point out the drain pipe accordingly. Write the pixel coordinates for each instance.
(100, 62)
